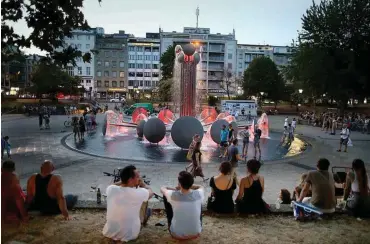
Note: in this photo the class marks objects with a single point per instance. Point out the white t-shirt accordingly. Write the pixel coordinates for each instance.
(186, 212)
(286, 122)
(294, 123)
(345, 133)
(123, 212)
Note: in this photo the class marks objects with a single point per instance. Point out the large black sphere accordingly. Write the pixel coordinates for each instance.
(184, 129)
(154, 130)
(216, 130)
(188, 49)
(140, 128)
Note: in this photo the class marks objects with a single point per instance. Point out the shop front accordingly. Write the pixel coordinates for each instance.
(116, 92)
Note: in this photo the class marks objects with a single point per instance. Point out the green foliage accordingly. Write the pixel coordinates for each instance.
(49, 21)
(333, 52)
(167, 62)
(49, 78)
(165, 90)
(262, 75)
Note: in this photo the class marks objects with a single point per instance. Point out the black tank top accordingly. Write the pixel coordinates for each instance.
(44, 203)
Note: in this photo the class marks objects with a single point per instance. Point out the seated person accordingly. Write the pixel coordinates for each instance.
(356, 192)
(183, 206)
(298, 189)
(249, 200)
(284, 196)
(45, 192)
(124, 202)
(12, 197)
(223, 186)
(321, 182)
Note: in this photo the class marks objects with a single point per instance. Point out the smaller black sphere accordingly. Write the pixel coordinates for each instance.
(188, 49)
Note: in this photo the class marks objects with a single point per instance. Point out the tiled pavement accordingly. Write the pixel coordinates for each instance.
(30, 147)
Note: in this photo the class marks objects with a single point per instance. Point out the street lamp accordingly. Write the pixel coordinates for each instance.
(262, 93)
(300, 91)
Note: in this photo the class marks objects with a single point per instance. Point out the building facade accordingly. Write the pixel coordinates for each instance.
(143, 65)
(85, 42)
(217, 51)
(111, 65)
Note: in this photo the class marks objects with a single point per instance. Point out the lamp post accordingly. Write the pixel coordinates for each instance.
(261, 99)
(299, 98)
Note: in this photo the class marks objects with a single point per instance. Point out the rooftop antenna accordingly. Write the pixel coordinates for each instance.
(197, 14)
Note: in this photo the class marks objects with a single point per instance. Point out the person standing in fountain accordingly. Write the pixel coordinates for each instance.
(197, 162)
(189, 156)
(223, 143)
(245, 135)
(257, 138)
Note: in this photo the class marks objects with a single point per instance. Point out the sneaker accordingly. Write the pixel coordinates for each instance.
(220, 156)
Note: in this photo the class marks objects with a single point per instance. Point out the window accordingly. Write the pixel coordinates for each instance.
(139, 57)
(121, 83)
(131, 66)
(130, 83)
(147, 83)
(114, 54)
(148, 66)
(114, 83)
(121, 64)
(139, 66)
(78, 37)
(87, 37)
(147, 49)
(98, 62)
(230, 66)
(146, 74)
(131, 57)
(240, 56)
(141, 83)
(106, 73)
(155, 58)
(155, 49)
(79, 46)
(98, 84)
(114, 73)
(240, 65)
(155, 74)
(98, 73)
(139, 74)
(230, 56)
(87, 46)
(121, 74)
(106, 63)
(79, 69)
(114, 64)
(106, 53)
(88, 81)
(70, 70)
(72, 37)
(88, 69)
(139, 49)
(131, 48)
(131, 74)
(147, 57)
(106, 83)
(155, 66)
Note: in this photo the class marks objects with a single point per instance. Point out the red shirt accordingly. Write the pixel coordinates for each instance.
(10, 192)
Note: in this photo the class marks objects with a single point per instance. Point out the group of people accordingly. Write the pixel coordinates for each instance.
(289, 129)
(85, 123)
(44, 117)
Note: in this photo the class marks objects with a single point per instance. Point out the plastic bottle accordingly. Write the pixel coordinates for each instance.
(98, 196)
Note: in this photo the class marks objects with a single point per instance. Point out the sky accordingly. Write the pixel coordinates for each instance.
(273, 22)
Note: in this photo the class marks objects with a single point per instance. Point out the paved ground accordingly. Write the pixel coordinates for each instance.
(30, 147)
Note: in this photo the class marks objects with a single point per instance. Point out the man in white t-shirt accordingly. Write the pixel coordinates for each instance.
(294, 124)
(344, 136)
(124, 201)
(184, 207)
(286, 122)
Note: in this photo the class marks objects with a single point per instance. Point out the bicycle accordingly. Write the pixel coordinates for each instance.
(117, 178)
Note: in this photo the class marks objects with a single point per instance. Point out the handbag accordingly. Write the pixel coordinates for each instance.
(211, 198)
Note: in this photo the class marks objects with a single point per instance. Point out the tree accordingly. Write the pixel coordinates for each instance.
(333, 52)
(165, 91)
(49, 21)
(262, 75)
(49, 79)
(228, 82)
(168, 62)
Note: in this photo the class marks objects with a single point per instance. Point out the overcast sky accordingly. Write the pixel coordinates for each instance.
(273, 22)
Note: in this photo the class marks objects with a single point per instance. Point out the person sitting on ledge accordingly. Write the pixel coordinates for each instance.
(284, 196)
(125, 200)
(183, 206)
(298, 189)
(12, 197)
(321, 182)
(45, 193)
(223, 186)
(249, 200)
(357, 193)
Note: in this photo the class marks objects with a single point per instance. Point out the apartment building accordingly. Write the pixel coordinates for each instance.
(281, 55)
(85, 42)
(217, 51)
(143, 65)
(111, 65)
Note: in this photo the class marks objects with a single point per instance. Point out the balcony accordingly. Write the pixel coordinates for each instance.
(216, 49)
(216, 59)
(216, 68)
(214, 77)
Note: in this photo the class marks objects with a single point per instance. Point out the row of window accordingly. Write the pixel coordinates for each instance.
(143, 74)
(114, 83)
(112, 64)
(114, 74)
(143, 49)
(79, 37)
(147, 83)
(144, 57)
(143, 66)
(108, 54)
(71, 71)
(79, 46)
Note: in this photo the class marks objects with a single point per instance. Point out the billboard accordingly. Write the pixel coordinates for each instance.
(232, 106)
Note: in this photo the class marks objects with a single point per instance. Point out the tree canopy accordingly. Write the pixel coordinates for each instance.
(167, 64)
(333, 52)
(262, 75)
(49, 21)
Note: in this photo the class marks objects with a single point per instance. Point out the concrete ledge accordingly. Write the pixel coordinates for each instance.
(157, 206)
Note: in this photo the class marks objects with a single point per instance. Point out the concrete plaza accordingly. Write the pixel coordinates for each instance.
(30, 146)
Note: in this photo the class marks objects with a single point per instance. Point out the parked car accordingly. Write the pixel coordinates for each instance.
(114, 100)
(147, 106)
